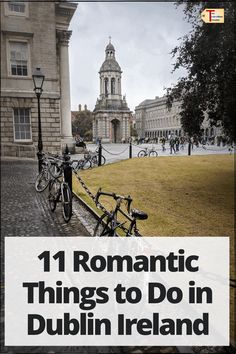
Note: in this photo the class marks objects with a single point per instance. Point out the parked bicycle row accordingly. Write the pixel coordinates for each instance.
(54, 177)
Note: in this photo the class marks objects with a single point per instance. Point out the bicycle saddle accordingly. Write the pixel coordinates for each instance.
(139, 214)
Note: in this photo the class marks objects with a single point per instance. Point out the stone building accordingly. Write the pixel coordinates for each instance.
(154, 120)
(35, 34)
(111, 114)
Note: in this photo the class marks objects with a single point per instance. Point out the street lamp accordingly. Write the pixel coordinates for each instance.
(38, 79)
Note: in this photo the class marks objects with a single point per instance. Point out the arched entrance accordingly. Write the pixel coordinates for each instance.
(116, 136)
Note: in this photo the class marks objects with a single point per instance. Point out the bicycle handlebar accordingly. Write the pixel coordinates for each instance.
(128, 199)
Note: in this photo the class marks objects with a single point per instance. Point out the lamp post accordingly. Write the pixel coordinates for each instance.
(38, 79)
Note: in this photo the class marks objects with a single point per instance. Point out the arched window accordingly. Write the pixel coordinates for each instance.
(106, 86)
(113, 86)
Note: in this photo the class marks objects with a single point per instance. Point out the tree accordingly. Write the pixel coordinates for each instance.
(82, 124)
(209, 57)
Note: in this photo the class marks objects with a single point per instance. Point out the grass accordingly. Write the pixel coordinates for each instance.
(183, 196)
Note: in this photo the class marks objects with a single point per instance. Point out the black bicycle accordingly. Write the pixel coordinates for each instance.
(109, 225)
(59, 191)
(90, 160)
(84, 163)
(94, 160)
(148, 152)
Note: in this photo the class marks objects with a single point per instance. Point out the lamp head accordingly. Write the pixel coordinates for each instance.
(38, 79)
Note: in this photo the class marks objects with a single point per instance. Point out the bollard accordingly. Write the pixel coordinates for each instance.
(130, 149)
(67, 168)
(40, 160)
(189, 148)
(100, 154)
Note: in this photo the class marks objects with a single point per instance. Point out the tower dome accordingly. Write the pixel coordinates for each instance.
(110, 47)
(110, 63)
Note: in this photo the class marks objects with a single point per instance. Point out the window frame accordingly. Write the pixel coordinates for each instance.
(8, 12)
(14, 124)
(18, 40)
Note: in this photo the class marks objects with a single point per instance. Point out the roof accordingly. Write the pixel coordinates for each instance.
(110, 64)
(110, 47)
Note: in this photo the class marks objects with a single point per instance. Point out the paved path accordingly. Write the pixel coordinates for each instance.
(117, 152)
(24, 212)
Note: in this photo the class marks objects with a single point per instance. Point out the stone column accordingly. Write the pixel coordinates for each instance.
(63, 37)
(101, 86)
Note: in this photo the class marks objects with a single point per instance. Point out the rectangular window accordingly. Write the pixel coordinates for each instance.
(22, 124)
(18, 58)
(16, 6)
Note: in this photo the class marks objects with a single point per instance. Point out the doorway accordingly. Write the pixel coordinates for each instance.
(115, 131)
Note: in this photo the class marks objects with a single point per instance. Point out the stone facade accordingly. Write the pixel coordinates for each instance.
(33, 35)
(154, 120)
(112, 117)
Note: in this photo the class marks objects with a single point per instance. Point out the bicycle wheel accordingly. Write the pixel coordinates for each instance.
(142, 153)
(103, 160)
(103, 227)
(84, 164)
(66, 199)
(42, 181)
(153, 153)
(94, 161)
(79, 165)
(53, 197)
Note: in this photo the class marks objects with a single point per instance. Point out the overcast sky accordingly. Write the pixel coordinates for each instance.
(143, 35)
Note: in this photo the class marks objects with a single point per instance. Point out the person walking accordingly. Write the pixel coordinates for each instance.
(182, 141)
(172, 144)
(177, 143)
(163, 142)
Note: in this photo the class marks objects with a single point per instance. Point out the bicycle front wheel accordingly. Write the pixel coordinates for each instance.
(103, 227)
(42, 181)
(53, 197)
(86, 164)
(94, 161)
(66, 202)
(103, 160)
(153, 153)
(142, 153)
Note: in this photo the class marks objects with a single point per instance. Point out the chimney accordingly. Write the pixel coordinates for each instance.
(85, 107)
(79, 107)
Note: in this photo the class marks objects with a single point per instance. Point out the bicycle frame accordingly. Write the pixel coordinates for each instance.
(111, 224)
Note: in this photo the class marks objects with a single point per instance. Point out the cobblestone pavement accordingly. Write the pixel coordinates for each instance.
(24, 212)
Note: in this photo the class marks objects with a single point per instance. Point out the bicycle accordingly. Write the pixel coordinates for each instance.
(84, 163)
(49, 170)
(148, 152)
(59, 191)
(90, 160)
(94, 159)
(108, 224)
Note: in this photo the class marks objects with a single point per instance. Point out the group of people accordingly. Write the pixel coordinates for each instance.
(175, 143)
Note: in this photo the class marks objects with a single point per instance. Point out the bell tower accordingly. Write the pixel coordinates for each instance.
(111, 114)
(110, 75)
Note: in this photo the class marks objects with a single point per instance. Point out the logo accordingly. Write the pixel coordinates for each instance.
(213, 15)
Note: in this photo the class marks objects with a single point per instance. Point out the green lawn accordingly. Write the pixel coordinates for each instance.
(183, 196)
